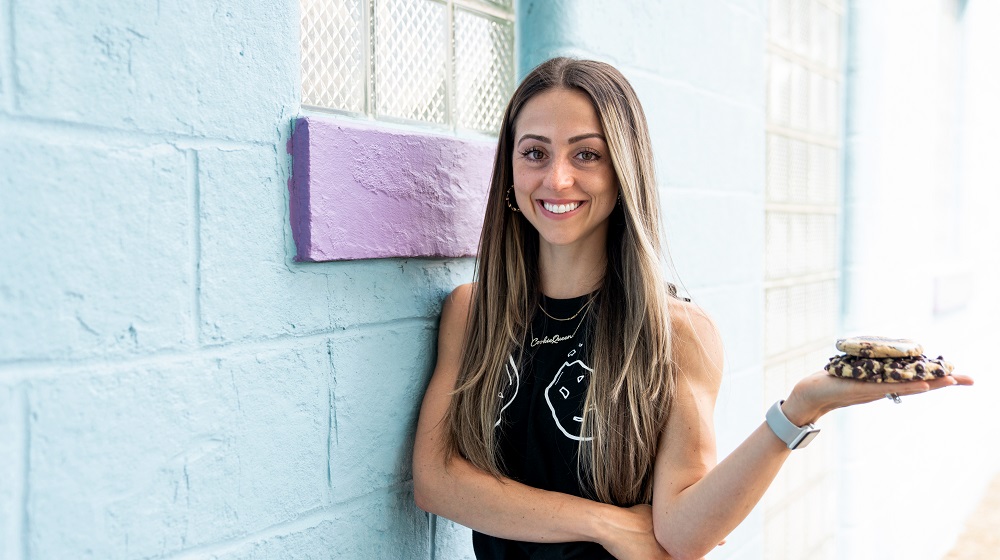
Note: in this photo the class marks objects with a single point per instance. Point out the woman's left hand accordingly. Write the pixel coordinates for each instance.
(821, 392)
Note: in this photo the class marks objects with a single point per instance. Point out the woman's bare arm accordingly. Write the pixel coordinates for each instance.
(696, 503)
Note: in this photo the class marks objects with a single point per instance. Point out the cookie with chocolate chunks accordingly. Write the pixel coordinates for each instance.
(888, 370)
(879, 347)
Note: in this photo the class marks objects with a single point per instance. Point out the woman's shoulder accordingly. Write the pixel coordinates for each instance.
(455, 309)
(696, 343)
(690, 320)
(454, 321)
(460, 297)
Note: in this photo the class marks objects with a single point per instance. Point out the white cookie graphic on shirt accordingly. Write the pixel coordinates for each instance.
(564, 395)
(513, 380)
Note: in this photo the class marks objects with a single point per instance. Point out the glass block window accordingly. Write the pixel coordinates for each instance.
(802, 206)
(447, 63)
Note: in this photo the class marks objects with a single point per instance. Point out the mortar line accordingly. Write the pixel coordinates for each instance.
(432, 529)
(21, 524)
(668, 190)
(331, 419)
(20, 370)
(725, 98)
(9, 73)
(102, 135)
(194, 178)
(305, 520)
(333, 398)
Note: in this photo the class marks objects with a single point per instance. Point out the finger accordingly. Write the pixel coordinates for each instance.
(917, 387)
(946, 381)
(962, 379)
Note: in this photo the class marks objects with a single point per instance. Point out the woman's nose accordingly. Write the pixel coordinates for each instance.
(560, 175)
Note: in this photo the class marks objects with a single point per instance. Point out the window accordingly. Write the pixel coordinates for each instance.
(442, 65)
(802, 208)
(447, 64)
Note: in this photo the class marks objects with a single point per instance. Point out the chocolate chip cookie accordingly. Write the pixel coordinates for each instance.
(888, 370)
(879, 347)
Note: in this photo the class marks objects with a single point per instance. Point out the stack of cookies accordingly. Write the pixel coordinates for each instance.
(885, 360)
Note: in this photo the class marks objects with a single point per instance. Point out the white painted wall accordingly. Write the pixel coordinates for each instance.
(912, 473)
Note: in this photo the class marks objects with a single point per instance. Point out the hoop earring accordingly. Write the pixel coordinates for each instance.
(507, 198)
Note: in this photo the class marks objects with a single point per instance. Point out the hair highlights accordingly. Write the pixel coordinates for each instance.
(632, 384)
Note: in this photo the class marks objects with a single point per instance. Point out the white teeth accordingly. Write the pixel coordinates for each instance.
(561, 208)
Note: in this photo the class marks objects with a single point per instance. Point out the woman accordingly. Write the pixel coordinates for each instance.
(570, 411)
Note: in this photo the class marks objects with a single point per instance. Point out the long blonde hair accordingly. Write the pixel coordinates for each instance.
(632, 383)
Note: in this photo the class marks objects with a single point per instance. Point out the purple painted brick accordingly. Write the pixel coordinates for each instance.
(361, 192)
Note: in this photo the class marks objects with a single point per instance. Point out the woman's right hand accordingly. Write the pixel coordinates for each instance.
(629, 535)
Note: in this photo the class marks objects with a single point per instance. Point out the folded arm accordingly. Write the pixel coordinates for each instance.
(456, 489)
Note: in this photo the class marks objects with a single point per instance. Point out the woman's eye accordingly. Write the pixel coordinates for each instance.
(588, 155)
(533, 154)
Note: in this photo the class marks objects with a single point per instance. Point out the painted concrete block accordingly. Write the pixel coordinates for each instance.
(151, 460)
(738, 312)
(757, 8)
(5, 93)
(11, 472)
(390, 526)
(740, 407)
(715, 238)
(712, 46)
(701, 141)
(385, 525)
(95, 250)
(6, 88)
(223, 68)
(248, 287)
(363, 192)
(379, 381)
(386, 289)
(452, 540)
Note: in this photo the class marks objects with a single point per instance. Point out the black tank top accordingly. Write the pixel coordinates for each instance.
(539, 424)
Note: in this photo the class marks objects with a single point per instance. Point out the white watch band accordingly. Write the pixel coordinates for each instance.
(795, 437)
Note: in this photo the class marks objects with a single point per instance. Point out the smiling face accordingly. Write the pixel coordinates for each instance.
(564, 181)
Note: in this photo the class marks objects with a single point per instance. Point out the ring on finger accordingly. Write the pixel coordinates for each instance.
(894, 398)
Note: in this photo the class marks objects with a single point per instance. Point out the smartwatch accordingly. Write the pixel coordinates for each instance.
(795, 437)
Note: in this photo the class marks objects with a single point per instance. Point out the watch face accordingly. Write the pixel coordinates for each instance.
(806, 438)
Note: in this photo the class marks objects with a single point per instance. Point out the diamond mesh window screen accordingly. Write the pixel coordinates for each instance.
(484, 69)
(801, 244)
(411, 60)
(334, 54)
(442, 62)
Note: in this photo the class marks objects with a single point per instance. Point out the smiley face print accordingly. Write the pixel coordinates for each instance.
(565, 396)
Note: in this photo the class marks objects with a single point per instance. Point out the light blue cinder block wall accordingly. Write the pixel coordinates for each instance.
(173, 384)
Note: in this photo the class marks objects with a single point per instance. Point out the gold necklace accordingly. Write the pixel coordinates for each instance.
(575, 315)
(556, 339)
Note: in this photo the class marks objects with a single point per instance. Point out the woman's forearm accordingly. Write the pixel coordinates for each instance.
(504, 508)
(702, 515)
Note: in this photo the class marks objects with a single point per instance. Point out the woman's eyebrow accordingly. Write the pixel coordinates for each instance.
(571, 140)
(534, 137)
(577, 138)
